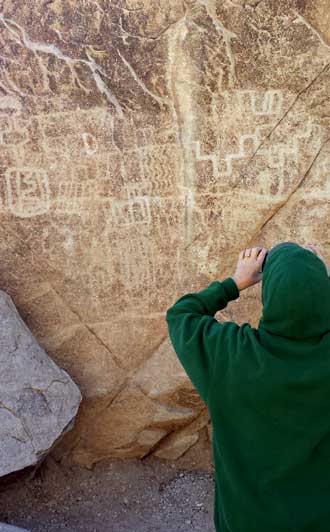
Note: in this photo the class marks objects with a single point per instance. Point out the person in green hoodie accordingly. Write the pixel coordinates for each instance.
(267, 389)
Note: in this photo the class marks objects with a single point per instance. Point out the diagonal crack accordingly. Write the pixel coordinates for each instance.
(156, 445)
(284, 116)
(17, 237)
(99, 340)
(26, 430)
(284, 202)
(86, 430)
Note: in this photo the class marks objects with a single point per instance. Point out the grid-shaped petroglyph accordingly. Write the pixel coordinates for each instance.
(27, 191)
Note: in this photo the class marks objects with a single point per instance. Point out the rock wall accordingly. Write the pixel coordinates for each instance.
(143, 144)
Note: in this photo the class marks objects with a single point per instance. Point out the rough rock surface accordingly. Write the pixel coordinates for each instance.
(38, 400)
(9, 528)
(143, 144)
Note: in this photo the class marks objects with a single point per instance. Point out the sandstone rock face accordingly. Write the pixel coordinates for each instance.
(143, 144)
(38, 400)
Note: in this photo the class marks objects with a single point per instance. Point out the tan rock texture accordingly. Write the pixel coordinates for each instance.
(143, 144)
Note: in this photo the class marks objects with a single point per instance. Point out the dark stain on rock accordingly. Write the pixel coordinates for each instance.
(301, 5)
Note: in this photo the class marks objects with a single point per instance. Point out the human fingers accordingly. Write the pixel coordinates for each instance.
(247, 253)
(241, 255)
(262, 255)
(255, 252)
(261, 258)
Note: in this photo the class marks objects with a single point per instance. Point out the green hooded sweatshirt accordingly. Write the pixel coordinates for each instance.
(268, 394)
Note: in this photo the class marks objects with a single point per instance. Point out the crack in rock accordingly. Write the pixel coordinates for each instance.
(14, 414)
(284, 202)
(281, 120)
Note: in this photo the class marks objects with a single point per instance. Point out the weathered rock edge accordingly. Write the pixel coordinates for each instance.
(10, 528)
(38, 400)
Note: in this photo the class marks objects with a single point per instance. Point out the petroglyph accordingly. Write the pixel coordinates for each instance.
(73, 197)
(140, 150)
(212, 157)
(90, 143)
(138, 207)
(28, 192)
(260, 103)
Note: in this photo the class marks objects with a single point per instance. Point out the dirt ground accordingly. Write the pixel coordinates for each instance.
(132, 495)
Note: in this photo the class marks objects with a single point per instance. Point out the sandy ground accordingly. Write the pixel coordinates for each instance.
(130, 495)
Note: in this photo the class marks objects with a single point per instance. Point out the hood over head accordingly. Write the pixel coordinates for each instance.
(295, 293)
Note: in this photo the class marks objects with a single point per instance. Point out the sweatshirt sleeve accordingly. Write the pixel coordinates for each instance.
(195, 333)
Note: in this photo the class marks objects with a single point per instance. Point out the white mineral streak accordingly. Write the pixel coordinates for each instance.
(21, 37)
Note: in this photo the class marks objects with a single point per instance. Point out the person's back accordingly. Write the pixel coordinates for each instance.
(268, 393)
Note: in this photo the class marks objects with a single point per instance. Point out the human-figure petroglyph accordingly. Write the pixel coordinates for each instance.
(269, 103)
(138, 208)
(90, 143)
(133, 212)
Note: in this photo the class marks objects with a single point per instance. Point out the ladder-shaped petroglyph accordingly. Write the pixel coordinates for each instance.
(73, 196)
(260, 103)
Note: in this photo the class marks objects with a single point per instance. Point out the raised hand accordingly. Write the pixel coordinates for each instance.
(248, 270)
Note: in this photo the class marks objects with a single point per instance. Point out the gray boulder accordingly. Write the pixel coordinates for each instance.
(9, 528)
(38, 400)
